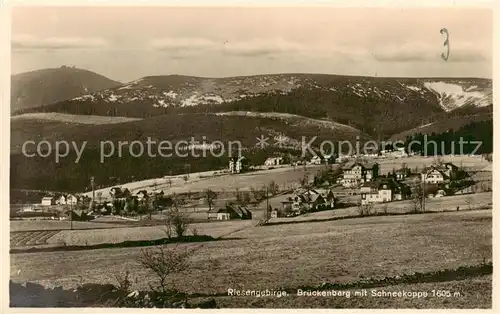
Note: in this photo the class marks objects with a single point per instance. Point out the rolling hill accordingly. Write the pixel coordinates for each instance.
(42, 87)
(378, 106)
(47, 174)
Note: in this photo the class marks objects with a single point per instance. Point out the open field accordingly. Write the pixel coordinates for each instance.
(116, 235)
(269, 257)
(39, 225)
(286, 177)
(31, 238)
(72, 118)
(439, 204)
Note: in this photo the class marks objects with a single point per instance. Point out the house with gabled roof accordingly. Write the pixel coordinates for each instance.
(231, 211)
(308, 200)
(356, 173)
(383, 191)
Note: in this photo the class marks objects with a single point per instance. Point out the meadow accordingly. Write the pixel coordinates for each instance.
(288, 256)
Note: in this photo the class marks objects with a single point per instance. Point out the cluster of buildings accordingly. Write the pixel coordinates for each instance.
(374, 188)
(65, 199)
(241, 164)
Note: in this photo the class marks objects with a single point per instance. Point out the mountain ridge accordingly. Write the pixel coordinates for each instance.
(376, 105)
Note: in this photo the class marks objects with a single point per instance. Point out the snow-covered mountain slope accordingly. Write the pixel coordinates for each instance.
(455, 95)
(185, 91)
(374, 105)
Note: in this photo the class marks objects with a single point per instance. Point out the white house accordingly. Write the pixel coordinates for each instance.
(273, 161)
(142, 194)
(316, 160)
(67, 200)
(61, 200)
(236, 164)
(383, 191)
(433, 175)
(48, 201)
(356, 173)
(376, 193)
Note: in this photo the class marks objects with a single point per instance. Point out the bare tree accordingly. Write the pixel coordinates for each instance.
(418, 198)
(238, 195)
(273, 188)
(259, 194)
(247, 198)
(469, 201)
(164, 263)
(210, 196)
(304, 183)
(365, 209)
(177, 220)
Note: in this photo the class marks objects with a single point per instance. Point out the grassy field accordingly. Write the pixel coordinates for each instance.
(286, 177)
(72, 118)
(288, 256)
(119, 233)
(115, 235)
(39, 225)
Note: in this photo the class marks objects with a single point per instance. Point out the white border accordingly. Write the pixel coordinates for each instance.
(5, 125)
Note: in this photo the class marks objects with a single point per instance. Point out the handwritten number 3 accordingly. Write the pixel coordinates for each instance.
(446, 44)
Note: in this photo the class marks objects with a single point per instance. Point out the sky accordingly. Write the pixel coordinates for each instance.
(127, 43)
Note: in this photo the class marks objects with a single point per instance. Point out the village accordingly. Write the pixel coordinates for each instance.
(328, 183)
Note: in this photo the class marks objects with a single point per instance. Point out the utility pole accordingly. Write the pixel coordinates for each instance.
(92, 181)
(423, 192)
(71, 215)
(267, 204)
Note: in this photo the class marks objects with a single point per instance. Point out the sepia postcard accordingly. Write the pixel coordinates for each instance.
(249, 156)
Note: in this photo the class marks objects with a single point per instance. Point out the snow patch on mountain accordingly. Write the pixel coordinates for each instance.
(413, 88)
(452, 96)
(85, 97)
(113, 98)
(171, 94)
